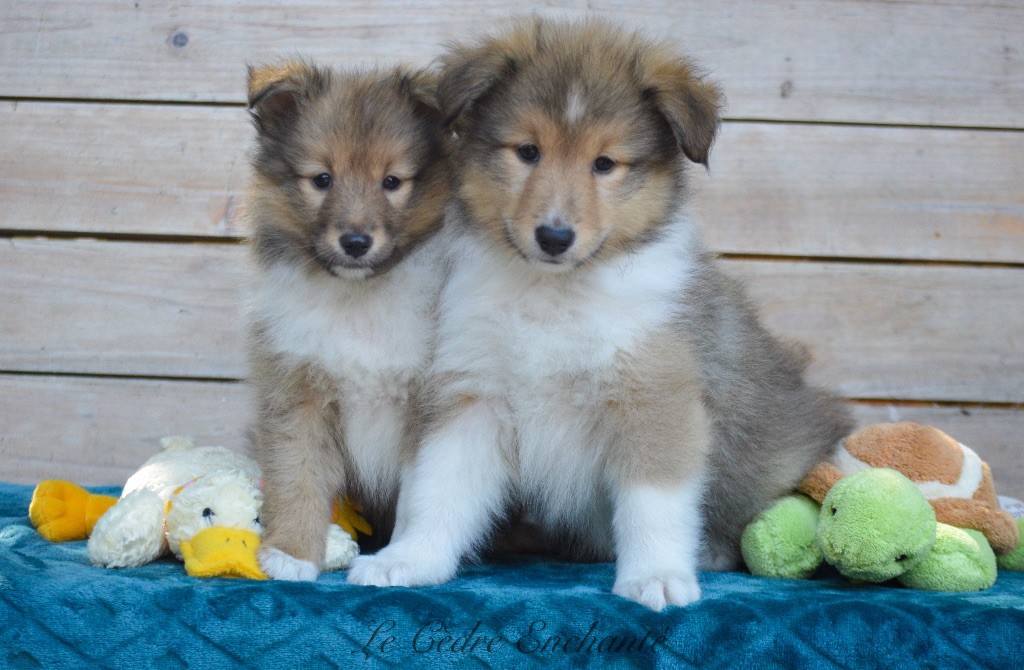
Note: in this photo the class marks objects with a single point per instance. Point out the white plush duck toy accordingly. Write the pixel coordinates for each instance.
(202, 504)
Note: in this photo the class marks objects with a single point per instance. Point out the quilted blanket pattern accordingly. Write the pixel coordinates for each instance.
(58, 611)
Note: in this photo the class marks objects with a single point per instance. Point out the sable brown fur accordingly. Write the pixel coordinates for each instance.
(359, 127)
(312, 395)
(648, 109)
(643, 104)
(768, 427)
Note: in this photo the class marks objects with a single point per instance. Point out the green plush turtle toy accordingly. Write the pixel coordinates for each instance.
(899, 501)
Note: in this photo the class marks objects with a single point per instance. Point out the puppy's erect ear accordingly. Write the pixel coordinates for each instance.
(467, 73)
(275, 90)
(691, 105)
(421, 88)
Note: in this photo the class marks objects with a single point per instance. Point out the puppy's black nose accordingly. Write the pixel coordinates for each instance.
(554, 240)
(355, 244)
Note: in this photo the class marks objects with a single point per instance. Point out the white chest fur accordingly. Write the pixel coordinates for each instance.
(511, 322)
(372, 337)
(543, 347)
(362, 332)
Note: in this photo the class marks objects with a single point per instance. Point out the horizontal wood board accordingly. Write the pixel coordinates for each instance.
(902, 62)
(98, 431)
(874, 330)
(801, 190)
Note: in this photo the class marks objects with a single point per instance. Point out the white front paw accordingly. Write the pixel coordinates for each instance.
(391, 568)
(279, 565)
(659, 591)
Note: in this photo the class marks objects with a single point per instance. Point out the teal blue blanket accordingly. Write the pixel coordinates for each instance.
(56, 610)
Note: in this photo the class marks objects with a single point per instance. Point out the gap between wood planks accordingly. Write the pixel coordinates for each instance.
(963, 404)
(236, 240)
(725, 119)
(122, 376)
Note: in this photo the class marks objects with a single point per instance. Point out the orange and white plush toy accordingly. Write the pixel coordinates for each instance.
(200, 503)
(952, 477)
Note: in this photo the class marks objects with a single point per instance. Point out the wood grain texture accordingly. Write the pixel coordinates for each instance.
(905, 62)
(874, 330)
(121, 308)
(865, 192)
(899, 331)
(98, 431)
(800, 190)
(126, 169)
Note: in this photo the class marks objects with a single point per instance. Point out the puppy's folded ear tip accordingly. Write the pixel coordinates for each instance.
(468, 70)
(263, 79)
(274, 90)
(692, 106)
(699, 153)
(420, 86)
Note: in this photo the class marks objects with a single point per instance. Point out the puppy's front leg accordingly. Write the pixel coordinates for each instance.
(302, 474)
(445, 507)
(657, 534)
(658, 482)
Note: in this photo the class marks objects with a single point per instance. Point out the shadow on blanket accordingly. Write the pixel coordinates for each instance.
(57, 610)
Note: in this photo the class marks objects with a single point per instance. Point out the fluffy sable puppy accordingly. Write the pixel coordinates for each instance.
(594, 367)
(349, 186)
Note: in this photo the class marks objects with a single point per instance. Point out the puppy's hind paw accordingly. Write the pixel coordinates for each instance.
(658, 592)
(279, 565)
(384, 570)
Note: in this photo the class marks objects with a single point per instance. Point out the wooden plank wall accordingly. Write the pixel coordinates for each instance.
(868, 184)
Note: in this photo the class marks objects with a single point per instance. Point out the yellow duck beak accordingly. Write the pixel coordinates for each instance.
(222, 552)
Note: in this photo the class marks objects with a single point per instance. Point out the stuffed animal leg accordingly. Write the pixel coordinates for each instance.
(341, 549)
(1014, 560)
(62, 511)
(131, 533)
(349, 515)
(961, 559)
(782, 541)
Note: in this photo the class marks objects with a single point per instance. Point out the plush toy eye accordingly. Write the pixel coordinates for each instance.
(529, 153)
(257, 521)
(207, 513)
(391, 183)
(834, 510)
(603, 165)
(901, 558)
(323, 181)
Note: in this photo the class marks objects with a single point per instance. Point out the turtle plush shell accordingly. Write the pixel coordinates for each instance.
(953, 478)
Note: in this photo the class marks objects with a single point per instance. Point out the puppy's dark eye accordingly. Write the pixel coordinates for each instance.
(391, 183)
(528, 152)
(323, 181)
(603, 165)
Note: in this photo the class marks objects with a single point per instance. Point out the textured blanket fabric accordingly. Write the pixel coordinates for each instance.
(57, 610)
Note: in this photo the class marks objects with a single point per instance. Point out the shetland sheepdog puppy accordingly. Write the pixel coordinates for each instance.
(595, 370)
(349, 187)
